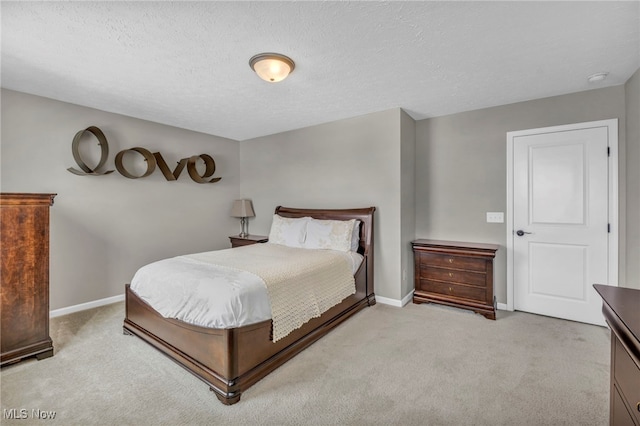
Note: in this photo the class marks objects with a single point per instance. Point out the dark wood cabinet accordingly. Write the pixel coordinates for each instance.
(456, 274)
(237, 241)
(621, 309)
(24, 271)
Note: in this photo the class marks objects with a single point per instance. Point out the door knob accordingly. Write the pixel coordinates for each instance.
(520, 232)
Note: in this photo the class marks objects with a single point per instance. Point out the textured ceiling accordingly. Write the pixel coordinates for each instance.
(186, 63)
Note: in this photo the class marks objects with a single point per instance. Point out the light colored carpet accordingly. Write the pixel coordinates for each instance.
(417, 365)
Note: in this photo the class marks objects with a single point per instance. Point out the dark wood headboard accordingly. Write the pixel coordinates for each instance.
(364, 215)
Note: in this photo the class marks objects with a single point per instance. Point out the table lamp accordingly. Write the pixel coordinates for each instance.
(243, 209)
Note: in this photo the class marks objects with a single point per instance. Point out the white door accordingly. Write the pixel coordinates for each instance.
(561, 227)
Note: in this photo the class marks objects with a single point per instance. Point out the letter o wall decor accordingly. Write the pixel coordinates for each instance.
(148, 157)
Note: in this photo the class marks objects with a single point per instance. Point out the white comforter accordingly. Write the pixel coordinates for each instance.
(193, 290)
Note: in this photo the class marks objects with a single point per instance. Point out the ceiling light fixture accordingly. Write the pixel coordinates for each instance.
(597, 77)
(272, 67)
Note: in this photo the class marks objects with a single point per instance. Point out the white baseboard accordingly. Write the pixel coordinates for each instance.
(85, 306)
(386, 301)
(400, 303)
(408, 298)
(395, 302)
(109, 300)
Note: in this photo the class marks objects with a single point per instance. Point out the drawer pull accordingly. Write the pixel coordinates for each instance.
(450, 260)
(450, 274)
(450, 290)
(638, 406)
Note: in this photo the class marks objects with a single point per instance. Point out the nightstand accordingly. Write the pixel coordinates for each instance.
(237, 241)
(455, 274)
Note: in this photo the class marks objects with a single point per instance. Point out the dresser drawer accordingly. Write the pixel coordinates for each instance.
(627, 376)
(453, 275)
(620, 415)
(453, 290)
(457, 262)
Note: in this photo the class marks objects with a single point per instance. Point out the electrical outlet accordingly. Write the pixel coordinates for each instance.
(495, 217)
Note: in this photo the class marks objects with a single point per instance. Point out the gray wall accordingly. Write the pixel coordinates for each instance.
(103, 228)
(347, 163)
(461, 166)
(432, 179)
(408, 201)
(632, 91)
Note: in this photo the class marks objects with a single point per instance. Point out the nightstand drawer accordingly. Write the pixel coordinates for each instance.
(451, 261)
(453, 290)
(237, 241)
(453, 275)
(240, 242)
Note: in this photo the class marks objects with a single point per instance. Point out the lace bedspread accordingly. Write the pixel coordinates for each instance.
(301, 283)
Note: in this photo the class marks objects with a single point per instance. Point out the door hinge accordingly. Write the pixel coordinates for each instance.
(608, 152)
(608, 227)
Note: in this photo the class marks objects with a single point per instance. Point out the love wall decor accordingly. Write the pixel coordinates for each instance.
(153, 160)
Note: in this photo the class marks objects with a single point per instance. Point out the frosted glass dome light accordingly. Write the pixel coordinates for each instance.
(272, 67)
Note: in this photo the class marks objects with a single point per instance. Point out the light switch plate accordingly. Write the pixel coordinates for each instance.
(495, 217)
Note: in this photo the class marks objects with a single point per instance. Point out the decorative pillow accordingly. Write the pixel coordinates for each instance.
(329, 234)
(355, 236)
(288, 231)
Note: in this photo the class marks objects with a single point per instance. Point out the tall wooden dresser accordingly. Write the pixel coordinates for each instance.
(455, 274)
(621, 309)
(24, 276)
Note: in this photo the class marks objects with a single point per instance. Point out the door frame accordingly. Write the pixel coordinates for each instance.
(612, 130)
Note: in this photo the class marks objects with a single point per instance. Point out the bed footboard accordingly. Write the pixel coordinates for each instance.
(229, 360)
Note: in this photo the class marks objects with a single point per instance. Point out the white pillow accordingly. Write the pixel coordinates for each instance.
(288, 231)
(329, 234)
(355, 236)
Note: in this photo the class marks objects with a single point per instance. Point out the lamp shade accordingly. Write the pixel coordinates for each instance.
(272, 67)
(242, 208)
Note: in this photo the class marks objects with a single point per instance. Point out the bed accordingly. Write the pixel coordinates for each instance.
(230, 360)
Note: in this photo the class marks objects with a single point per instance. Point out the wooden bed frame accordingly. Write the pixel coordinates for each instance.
(231, 360)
